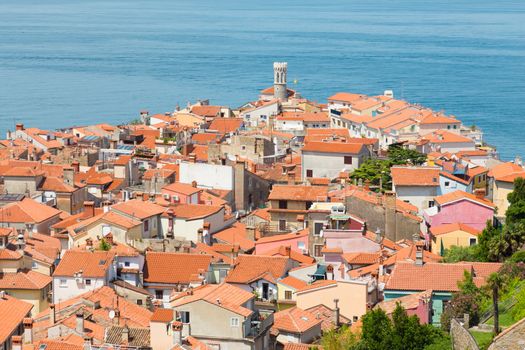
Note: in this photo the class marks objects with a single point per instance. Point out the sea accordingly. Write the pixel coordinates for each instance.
(77, 62)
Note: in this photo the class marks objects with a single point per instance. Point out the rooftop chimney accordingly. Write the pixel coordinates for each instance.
(89, 209)
(51, 314)
(177, 333)
(19, 127)
(76, 166)
(480, 193)
(28, 330)
(125, 335)
(336, 313)
(69, 176)
(419, 253)
(194, 184)
(16, 340)
(79, 322)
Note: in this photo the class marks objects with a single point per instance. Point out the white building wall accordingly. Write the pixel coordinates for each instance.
(327, 164)
(207, 175)
(420, 196)
(72, 288)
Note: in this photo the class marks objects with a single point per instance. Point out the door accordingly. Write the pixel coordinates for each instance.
(265, 288)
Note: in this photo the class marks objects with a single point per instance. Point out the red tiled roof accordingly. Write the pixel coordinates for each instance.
(249, 268)
(318, 284)
(206, 111)
(447, 228)
(235, 235)
(27, 211)
(295, 320)
(333, 147)
(174, 268)
(12, 313)
(299, 193)
(24, 280)
(507, 172)
(461, 195)
(223, 295)
(415, 176)
(92, 264)
(286, 251)
(195, 211)
(226, 125)
(185, 189)
(345, 97)
(361, 258)
(162, 315)
(293, 282)
(138, 208)
(435, 276)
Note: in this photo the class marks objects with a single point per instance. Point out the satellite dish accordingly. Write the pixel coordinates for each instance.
(111, 314)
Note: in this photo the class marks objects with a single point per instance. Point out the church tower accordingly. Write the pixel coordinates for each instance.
(279, 80)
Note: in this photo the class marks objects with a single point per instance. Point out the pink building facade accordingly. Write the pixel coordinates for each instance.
(298, 241)
(462, 211)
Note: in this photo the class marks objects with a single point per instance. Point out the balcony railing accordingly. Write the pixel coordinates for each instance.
(260, 326)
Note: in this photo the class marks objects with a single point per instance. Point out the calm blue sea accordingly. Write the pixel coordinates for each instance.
(86, 61)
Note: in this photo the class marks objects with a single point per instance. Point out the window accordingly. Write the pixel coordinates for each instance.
(355, 319)
(447, 183)
(318, 227)
(234, 322)
(348, 159)
(300, 245)
(448, 126)
(283, 205)
(126, 263)
(88, 282)
(185, 316)
(473, 241)
(63, 283)
(146, 225)
(139, 301)
(282, 225)
(309, 173)
(431, 204)
(308, 205)
(288, 295)
(34, 265)
(159, 294)
(317, 250)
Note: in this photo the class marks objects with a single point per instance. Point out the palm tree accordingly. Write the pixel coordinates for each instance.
(495, 283)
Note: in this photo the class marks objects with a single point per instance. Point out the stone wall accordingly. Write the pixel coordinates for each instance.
(461, 338)
(513, 338)
(376, 216)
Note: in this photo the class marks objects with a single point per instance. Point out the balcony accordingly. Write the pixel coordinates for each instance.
(259, 326)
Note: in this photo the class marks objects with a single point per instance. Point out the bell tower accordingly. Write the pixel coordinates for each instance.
(279, 80)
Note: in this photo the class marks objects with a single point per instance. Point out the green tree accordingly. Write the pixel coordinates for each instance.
(377, 171)
(495, 283)
(509, 241)
(457, 253)
(339, 339)
(104, 245)
(377, 330)
(516, 210)
(466, 301)
(485, 239)
(399, 156)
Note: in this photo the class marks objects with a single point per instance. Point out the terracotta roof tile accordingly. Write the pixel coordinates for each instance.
(27, 211)
(295, 320)
(163, 315)
(507, 172)
(249, 268)
(236, 234)
(293, 282)
(459, 195)
(345, 97)
(434, 276)
(361, 258)
(174, 268)
(185, 189)
(415, 176)
(318, 284)
(223, 295)
(447, 228)
(138, 208)
(24, 280)
(12, 313)
(299, 193)
(92, 264)
(226, 125)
